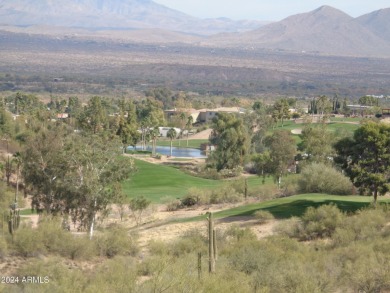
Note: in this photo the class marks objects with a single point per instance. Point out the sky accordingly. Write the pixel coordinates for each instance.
(273, 10)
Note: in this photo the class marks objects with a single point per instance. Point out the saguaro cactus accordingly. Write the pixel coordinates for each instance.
(13, 221)
(212, 244)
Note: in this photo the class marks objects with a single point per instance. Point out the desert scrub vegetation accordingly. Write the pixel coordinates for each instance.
(322, 178)
(324, 250)
(50, 238)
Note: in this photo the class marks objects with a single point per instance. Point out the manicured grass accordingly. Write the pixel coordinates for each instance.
(346, 119)
(296, 205)
(334, 126)
(157, 181)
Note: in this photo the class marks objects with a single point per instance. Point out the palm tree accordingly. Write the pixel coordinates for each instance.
(182, 124)
(154, 133)
(188, 125)
(171, 134)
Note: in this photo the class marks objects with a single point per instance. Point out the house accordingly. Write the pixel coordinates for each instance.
(164, 130)
(207, 115)
(203, 115)
(169, 114)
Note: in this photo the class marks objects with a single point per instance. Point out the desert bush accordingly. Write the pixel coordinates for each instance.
(115, 240)
(264, 192)
(365, 269)
(3, 247)
(80, 247)
(237, 234)
(187, 245)
(366, 224)
(231, 173)
(173, 205)
(292, 227)
(263, 217)
(196, 196)
(60, 278)
(321, 221)
(315, 223)
(27, 242)
(225, 195)
(321, 178)
(116, 275)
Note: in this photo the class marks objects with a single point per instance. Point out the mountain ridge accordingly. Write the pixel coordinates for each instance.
(325, 30)
(114, 14)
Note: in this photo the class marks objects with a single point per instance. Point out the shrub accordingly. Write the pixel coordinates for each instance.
(364, 225)
(115, 275)
(115, 241)
(292, 227)
(321, 178)
(174, 205)
(27, 242)
(263, 216)
(321, 221)
(3, 247)
(264, 192)
(225, 195)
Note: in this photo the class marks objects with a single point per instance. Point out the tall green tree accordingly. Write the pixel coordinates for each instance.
(366, 158)
(282, 151)
(44, 166)
(127, 126)
(369, 101)
(317, 142)
(281, 111)
(324, 105)
(94, 116)
(149, 115)
(91, 171)
(232, 141)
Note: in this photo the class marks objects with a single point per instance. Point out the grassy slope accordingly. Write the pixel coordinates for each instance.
(158, 181)
(295, 205)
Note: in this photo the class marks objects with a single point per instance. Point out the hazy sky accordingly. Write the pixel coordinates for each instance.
(268, 10)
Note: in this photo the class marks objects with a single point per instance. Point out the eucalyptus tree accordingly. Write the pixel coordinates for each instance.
(90, 172)
(317, 142)
(44, 166)
(232, 141)
(280, 111)
(282, 150)
(70, 174)
(17, 160)
(149, 116)
(94, 116)
(127, 126)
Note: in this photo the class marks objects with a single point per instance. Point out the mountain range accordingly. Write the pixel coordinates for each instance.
(325, 30)
(113, 14)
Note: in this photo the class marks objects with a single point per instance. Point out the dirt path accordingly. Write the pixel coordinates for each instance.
(205, 134)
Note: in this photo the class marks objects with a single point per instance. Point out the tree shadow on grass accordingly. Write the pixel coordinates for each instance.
(297, 208)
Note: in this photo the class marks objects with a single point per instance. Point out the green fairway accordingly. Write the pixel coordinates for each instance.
(157, 181)
(296, 205)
